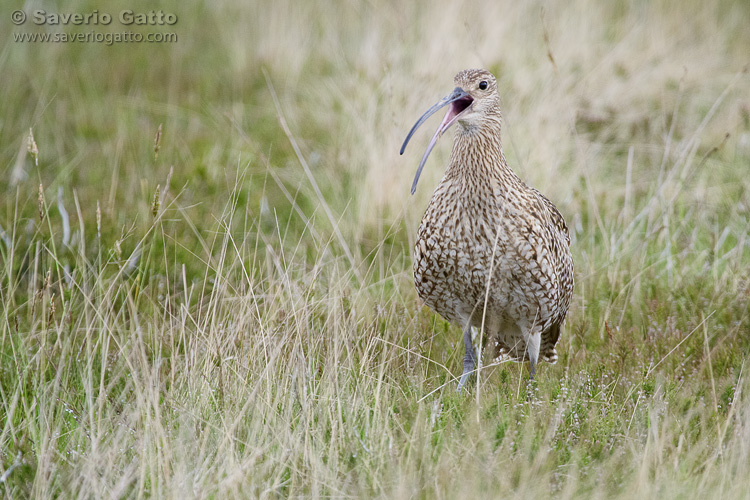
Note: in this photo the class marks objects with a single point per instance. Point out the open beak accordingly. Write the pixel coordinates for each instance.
(460, 102)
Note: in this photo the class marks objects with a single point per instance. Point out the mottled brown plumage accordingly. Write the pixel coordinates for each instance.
(482, 221)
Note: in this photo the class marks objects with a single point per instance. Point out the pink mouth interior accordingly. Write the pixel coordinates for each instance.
(458, 107)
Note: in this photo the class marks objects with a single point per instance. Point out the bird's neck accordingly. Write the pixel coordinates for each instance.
(477, 161)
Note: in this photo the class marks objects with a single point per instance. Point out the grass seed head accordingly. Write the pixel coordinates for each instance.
(155, 204)
(40, 200)
(32, 148)
(157, 142)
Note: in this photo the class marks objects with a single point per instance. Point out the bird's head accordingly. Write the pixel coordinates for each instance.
(473, 103)
(479, 102)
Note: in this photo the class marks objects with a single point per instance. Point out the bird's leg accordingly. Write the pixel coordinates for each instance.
(532, 348)
(470, 358)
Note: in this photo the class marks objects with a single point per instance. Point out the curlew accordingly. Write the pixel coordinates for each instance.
(491, 251)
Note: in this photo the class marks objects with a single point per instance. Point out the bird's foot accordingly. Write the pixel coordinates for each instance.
(462, 382)
(468, 370)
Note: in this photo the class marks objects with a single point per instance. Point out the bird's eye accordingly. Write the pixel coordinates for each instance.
(483, 85)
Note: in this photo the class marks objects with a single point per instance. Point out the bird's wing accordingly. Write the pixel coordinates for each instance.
(555, 216)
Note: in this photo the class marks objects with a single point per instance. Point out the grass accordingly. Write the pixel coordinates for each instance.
(227, 311)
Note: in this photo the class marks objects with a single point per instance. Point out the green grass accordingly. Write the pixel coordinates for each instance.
(235, 316)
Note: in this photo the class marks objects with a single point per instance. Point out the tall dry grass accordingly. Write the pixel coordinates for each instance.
(234, 316)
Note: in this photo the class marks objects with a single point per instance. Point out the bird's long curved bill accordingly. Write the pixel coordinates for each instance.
(450, 117)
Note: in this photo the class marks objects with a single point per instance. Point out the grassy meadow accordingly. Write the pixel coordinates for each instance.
(205, 253)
